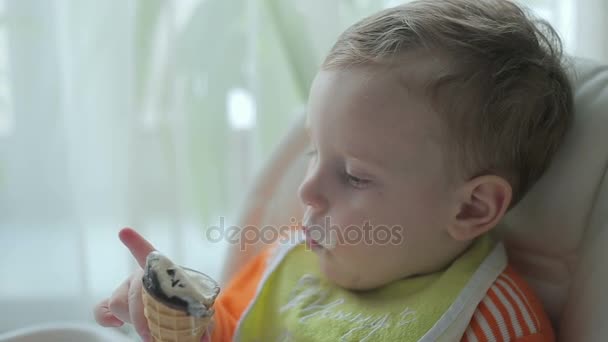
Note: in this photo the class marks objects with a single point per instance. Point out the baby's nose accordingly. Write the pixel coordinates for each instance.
(311, 194)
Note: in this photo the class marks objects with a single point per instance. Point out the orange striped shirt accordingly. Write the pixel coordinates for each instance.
(509, 312)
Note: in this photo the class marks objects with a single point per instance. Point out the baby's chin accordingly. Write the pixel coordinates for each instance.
(352, 278)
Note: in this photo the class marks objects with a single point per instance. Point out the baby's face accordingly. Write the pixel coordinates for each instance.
(377, 171)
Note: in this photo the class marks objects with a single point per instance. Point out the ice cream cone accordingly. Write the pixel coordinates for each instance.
(177, 300)
(170, 325)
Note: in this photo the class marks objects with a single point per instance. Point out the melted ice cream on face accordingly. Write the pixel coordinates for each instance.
(179, 287)
(323, 236)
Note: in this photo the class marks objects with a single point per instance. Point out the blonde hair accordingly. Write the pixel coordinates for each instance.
(504, 96)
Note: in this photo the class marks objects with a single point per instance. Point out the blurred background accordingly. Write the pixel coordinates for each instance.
(156, 114)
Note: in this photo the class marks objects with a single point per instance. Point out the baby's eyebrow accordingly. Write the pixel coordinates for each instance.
(377, 164)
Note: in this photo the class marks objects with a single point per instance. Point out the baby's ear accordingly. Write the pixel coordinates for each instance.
(482, 202)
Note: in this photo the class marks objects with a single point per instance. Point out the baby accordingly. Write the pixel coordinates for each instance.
(433, 119)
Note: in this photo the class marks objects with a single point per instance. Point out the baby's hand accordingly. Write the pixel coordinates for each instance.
(126, 304)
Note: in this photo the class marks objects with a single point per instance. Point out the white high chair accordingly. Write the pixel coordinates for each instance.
(557, 236)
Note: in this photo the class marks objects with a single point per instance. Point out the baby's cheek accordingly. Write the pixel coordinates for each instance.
(383, 269)
(372, 265)
(358, 254)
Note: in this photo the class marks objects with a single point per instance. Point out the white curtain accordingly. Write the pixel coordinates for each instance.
(155, 114)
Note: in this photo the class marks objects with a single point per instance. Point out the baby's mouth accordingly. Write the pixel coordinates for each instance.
(318, 237)
(311, 243)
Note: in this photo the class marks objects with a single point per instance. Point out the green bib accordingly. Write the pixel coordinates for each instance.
(296, 303)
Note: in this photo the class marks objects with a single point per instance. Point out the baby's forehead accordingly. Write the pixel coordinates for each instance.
(415, 70)
(370, 112)
(401, 91)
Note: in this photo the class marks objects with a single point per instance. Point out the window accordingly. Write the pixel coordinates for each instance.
(7, 120)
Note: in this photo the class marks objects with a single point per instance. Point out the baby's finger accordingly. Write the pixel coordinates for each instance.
(104, 317)
(139, 247)
(119, 302)
(136, 308)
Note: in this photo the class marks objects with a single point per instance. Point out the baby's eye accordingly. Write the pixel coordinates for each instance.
(357, 182)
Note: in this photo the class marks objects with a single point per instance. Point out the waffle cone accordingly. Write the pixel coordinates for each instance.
(169, 325)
